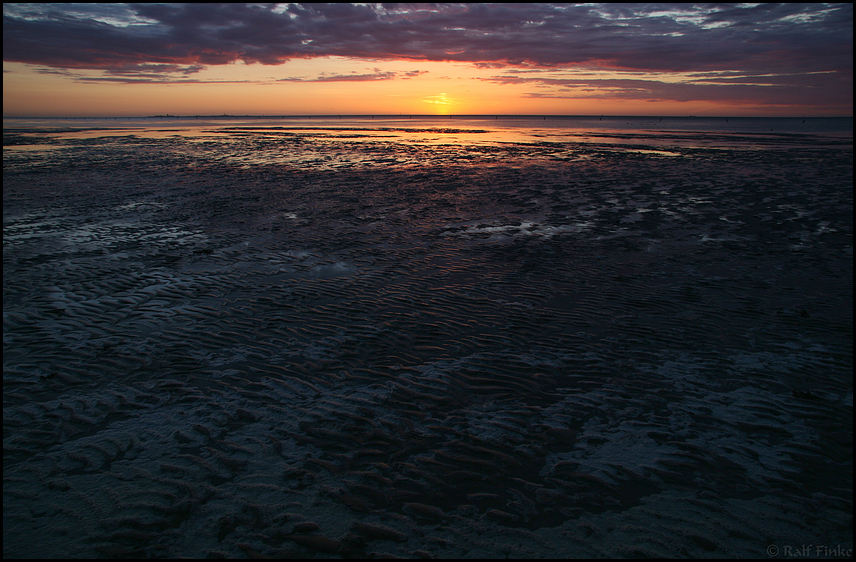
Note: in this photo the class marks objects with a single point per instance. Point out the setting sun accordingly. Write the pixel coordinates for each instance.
(441, 103)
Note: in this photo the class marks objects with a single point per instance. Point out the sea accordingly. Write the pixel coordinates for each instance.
(548, 127)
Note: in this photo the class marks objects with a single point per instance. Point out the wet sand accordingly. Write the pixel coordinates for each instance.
(325, 344)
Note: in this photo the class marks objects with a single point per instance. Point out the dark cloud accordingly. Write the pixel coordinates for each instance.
(377, 75)
(170, 73)
(785, 39)
(824, 89)
(667, 37)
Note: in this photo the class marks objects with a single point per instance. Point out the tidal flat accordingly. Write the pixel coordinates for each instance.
(271, 342)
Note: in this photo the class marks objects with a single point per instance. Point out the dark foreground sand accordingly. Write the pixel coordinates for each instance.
(291, 346)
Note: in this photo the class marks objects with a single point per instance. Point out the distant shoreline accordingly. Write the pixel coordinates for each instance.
(419, 116)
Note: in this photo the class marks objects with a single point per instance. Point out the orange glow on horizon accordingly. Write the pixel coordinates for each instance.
(105, 59)
(332, 85)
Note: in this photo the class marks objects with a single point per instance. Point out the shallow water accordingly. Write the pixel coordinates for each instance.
(426, 342)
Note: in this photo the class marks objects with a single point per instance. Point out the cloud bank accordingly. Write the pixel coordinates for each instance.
(806, 47)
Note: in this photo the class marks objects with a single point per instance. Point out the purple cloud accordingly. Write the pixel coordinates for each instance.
(667, 37)
(376, 75)
(784, 39)
(825, 88)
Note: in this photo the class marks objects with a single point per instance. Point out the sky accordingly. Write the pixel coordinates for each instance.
(94, 60)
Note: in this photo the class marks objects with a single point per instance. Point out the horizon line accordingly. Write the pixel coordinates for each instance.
(421, 116)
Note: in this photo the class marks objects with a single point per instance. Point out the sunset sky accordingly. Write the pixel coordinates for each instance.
(295, 59)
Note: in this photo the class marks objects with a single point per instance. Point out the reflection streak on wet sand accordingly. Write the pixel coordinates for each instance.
(293, 344)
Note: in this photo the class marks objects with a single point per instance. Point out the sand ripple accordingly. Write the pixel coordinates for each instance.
(238, 348)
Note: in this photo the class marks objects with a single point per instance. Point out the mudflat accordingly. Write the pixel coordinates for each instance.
(254, 343)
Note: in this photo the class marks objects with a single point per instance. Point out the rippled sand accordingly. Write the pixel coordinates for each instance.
(253, 344)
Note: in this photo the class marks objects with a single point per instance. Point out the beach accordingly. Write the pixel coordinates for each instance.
(426, 341)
